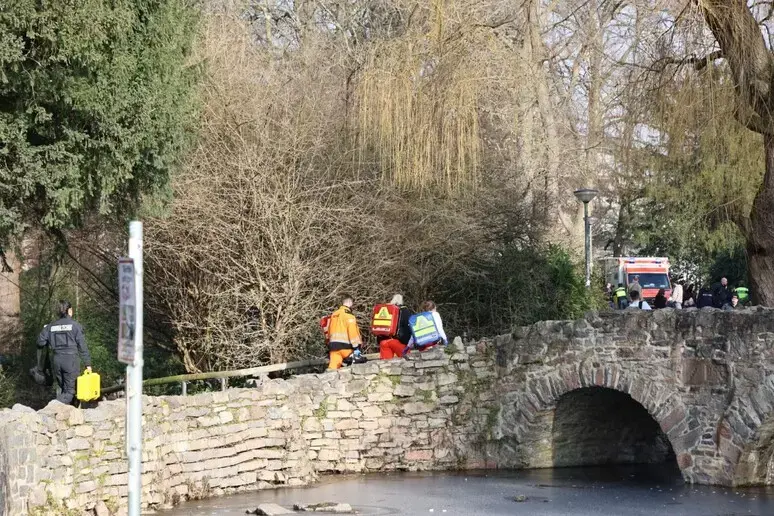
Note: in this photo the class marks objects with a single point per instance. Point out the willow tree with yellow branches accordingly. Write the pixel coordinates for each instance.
(418, 103)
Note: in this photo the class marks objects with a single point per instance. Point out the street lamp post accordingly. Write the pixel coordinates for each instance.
(586, 195)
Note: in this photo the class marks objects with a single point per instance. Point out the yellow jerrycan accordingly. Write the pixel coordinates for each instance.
(87, 386)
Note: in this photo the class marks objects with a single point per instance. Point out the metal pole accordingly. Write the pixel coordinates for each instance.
(587, 230)
(134, 379)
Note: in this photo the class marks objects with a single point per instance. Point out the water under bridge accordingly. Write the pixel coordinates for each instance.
(693, 387)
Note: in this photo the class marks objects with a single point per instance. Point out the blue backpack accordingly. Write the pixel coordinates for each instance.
(423, 329)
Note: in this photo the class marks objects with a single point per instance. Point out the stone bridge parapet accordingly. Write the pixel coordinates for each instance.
(556, 393)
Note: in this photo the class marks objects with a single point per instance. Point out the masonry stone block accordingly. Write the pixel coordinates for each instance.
(699, 378)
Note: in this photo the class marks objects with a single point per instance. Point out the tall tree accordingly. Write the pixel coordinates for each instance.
(752, 66)
(95, 101)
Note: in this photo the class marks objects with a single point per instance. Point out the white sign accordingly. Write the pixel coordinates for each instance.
(126, 311)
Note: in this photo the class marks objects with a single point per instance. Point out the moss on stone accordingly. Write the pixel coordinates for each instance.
(111, 502)
(53, 507)
(425, 395)
(322, 411)
(492, 416)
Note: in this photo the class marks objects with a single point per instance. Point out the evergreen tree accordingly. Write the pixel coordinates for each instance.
(96, 99)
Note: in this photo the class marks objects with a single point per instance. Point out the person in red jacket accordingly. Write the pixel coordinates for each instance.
(343, 334)
(391, 347)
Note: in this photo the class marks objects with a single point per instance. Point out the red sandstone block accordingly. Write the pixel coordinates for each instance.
(419, 455)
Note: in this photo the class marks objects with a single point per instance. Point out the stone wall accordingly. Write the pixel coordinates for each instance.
(386, 415)
(705, 378)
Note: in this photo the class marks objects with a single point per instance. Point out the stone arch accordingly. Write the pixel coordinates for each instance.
(746, 436)
(524, 420)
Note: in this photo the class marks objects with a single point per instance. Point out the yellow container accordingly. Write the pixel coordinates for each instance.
(87, 387)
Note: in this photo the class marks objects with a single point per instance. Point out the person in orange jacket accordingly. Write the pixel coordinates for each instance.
(343, 334)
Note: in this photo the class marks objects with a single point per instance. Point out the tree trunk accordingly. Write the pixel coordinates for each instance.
(550, 182)
(752, 66)
(10, 299)
(760, 237)
(621, 227)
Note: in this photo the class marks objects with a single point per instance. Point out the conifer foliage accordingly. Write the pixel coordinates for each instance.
(95, 101)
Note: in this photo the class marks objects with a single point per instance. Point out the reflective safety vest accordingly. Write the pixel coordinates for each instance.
(619, 292)
(343, 332)
(742, 293)
(423, 329)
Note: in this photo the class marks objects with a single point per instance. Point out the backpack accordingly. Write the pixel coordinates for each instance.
(325, 326)
(384, 322)
(423, 329)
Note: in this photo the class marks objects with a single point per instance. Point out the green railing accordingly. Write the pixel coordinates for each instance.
(223, 376)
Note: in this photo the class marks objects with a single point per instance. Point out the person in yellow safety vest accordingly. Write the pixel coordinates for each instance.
(619, 295)
(343, 334)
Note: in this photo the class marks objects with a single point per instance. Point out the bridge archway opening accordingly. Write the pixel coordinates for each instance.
(596, 426)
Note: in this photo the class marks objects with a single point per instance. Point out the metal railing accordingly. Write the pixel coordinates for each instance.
(223, 376)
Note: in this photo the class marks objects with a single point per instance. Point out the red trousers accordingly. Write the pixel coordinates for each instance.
(391, 348)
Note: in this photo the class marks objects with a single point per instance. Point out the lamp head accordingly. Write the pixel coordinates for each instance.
(586, 195)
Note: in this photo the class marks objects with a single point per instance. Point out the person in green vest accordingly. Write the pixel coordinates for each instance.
(743, 293)
(619, 294)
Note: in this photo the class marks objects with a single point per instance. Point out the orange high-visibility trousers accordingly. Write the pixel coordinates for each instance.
(335, 358)
(391, 348)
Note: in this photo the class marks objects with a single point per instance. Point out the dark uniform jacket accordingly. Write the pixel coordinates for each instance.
(65, 337)
(403, 333)
(721, 296)
(704, 299)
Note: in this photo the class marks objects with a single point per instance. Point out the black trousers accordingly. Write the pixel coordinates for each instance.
(66, 369)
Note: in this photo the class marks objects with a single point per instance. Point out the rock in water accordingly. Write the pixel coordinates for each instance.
(520, 498)
(270, 509)
(336, 508)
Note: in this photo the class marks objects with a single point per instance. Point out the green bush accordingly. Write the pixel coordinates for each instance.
(516, 286)
(7, 389)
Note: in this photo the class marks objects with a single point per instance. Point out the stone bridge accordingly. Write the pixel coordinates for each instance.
(692, 387)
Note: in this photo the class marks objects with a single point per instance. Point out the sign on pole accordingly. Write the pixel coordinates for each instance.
(126, 311)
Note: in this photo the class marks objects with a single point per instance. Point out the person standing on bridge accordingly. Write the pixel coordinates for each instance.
(343, 335)
(676, 298)
(705, 298)
(721, 294)
(637, 303)
(661, 300)
(66, 339)
(734, 304)
(620, 297)
(635, 286)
